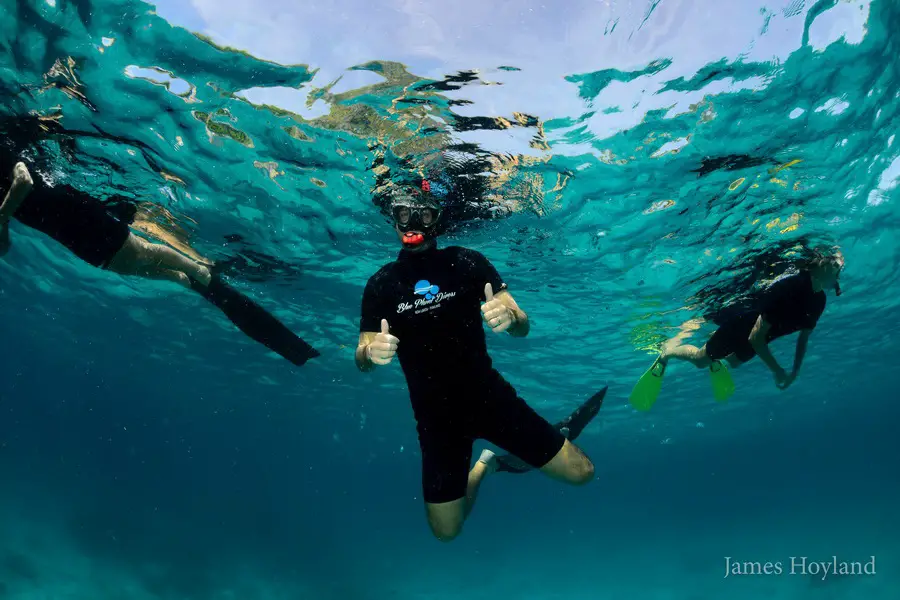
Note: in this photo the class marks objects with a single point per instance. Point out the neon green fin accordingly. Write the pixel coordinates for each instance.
(646, 390)
(722, 383)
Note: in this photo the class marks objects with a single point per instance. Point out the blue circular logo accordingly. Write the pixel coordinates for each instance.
(424, 288)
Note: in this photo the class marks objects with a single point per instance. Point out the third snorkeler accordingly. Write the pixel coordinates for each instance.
(791, 304)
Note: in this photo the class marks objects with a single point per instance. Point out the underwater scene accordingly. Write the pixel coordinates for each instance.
(285, 286)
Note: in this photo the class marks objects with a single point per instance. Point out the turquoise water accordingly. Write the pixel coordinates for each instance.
(149, 450)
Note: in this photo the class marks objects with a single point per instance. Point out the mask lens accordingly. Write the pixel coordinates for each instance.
(402, 215)
(429, 217)
(412, 217)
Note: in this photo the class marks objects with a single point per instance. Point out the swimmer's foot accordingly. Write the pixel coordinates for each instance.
(489, 459)
(203, 276)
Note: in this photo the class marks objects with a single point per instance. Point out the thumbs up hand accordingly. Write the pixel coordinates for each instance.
(383, 348)
(498, 317)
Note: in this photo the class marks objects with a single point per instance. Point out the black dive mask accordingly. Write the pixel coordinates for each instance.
(417, 222)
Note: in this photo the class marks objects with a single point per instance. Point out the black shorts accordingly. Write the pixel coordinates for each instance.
(494, 413)
(733, 337)
(76, 220)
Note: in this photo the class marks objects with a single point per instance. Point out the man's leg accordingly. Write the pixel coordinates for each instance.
(570, 465)
(446, 519)
(484, 466)
(155, 261)
(514, 426)
(449, 486)
(692, 354)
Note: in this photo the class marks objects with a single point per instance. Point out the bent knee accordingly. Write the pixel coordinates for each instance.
(446, 530)
(578, 468)
(570, 465)
(581, 472)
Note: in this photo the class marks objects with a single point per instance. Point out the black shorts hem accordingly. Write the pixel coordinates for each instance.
(444, 497)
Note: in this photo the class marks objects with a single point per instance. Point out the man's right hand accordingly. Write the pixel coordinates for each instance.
(382, 349)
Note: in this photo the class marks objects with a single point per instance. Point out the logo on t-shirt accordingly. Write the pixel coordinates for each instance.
(425, 288)
(430, 300)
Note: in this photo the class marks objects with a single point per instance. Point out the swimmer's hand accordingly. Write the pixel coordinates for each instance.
(382, 349)
(783, 380)
(496, 314)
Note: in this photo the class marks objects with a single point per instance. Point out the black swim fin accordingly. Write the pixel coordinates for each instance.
(571, 427)
(255, 321)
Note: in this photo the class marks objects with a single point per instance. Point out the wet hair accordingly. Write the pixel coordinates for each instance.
(823, 257)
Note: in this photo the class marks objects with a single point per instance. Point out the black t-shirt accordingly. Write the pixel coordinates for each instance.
(790, 305)
(432, 302)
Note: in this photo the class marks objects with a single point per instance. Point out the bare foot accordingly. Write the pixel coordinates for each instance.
(203, 275)
(21, 176)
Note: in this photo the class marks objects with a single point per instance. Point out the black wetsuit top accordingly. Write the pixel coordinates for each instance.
(432, 302)
(789, 305)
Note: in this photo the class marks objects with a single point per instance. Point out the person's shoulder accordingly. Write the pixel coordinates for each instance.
(384, 273)
(790, 282)
(463, 253)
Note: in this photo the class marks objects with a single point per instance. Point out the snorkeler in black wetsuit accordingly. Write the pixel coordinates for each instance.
(790, 305)
(426, 307)
(82, 224)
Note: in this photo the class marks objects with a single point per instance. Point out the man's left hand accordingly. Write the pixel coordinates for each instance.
(496, 314)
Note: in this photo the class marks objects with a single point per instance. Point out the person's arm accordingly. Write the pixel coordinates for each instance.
(376, 346)
(802, 342)
(520, 325)
(759, 341)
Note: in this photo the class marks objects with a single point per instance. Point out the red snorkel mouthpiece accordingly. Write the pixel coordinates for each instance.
(413, 238)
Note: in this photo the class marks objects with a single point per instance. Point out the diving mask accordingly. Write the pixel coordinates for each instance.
(417, 221)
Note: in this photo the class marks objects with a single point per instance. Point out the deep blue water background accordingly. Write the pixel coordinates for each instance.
(148, 450)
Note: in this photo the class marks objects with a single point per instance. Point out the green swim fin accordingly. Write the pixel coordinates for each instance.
(722, 383)
(646, 390)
